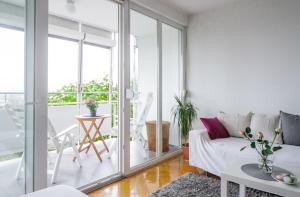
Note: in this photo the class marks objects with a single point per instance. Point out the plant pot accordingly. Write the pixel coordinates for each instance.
(185, 151)
(93, 113)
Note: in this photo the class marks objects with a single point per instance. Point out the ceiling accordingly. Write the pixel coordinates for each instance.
(97, 13)
(194, 6)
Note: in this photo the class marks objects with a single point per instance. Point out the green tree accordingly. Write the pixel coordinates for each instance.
(96, 89)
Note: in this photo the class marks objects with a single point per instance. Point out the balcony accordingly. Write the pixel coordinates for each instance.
(63, 115)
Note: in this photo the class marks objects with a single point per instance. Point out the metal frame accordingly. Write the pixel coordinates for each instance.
(121, 92)
(126, 86)
(154, 15)
(159, 90)
(36, 94)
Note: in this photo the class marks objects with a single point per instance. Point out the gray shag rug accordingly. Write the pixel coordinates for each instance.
(196, 185)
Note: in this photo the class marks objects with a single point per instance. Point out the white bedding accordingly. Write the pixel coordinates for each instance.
(214, 155)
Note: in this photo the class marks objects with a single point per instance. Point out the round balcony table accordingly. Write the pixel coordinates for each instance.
(92, 120)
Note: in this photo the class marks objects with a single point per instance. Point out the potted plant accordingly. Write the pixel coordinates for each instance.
(184, 113)
(92, 105)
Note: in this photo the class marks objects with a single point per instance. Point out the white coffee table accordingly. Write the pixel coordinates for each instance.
(234, 174)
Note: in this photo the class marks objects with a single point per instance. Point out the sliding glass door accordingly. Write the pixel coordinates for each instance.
(155, 79)
(84, 50)
(12, 108)
(171, 79)
(143, 83)
(20, 97)
(83, 66)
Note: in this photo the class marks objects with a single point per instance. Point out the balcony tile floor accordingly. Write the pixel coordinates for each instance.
(69, 172)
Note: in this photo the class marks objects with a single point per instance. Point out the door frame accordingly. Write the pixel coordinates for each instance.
(127, 170)
(36, 94)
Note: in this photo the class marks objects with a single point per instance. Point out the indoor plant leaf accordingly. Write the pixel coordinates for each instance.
(243, 148)
(248, 130)
(276, 148)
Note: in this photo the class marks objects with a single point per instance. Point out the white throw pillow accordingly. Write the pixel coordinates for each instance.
(234, 123)
(267, 125)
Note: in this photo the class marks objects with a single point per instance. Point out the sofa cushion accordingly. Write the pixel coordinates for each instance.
(267, 125)
(291, 128)
(215, 128)
(234, 123)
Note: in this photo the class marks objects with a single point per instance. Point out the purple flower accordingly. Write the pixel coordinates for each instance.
(91, 103)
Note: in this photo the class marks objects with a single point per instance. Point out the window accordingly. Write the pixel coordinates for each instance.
(12, 60)
(96, 72)
(62, 71)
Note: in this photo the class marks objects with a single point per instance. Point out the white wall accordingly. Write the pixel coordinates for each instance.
(245, 56)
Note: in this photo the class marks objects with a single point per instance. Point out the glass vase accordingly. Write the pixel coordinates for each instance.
(266, 164)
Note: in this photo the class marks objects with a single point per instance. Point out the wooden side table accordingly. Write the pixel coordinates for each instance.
(93, 124)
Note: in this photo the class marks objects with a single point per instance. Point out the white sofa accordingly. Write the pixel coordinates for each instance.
(214, 155)
(57, 191)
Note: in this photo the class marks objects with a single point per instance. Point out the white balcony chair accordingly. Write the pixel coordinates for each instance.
(61, 140)
(136, 129)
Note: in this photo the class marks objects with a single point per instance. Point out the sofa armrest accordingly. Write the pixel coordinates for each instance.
(202, 133)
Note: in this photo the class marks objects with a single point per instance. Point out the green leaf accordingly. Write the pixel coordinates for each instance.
(266, 142)
(183, 115)
(253, 145)
(250, 135)
(243, 148)
(269, 152)
(264, 152)
(276, 148)
(268, 146)
(248, 130)
(259, 141)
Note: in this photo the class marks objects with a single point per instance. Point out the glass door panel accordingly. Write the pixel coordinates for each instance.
(143, 82)
(98, 84)
(13, 110)
(171, 81)
(62, 83)
(62, 102)
(83, 64)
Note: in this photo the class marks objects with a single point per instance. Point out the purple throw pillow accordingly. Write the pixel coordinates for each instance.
(215, 128)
